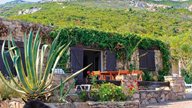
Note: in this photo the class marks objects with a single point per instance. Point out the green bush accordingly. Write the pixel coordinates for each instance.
(111, 92)
(83, 96)
(103, 92)
(151, 76)
(7, 93)
(187, 76)
(147, 76)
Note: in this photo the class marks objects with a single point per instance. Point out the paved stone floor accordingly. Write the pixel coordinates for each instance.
(176, 104)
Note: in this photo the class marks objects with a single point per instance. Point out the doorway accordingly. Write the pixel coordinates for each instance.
(94, 57)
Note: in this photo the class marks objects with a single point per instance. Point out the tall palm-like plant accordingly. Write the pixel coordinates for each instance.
(35, 76)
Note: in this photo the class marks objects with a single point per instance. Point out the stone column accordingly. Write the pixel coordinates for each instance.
(158, 60)
(177, 87)
(130, 82)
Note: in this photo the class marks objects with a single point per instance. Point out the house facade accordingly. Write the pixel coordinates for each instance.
(106, 60)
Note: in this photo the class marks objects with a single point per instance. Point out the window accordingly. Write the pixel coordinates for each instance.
(147, 60)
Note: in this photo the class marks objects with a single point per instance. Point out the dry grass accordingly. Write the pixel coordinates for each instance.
(7, 93)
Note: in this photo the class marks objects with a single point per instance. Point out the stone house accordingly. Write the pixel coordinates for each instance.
(80, 56)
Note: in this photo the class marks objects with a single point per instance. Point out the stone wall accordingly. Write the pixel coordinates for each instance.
(158, 60)
(129, 83)
(154, 96)
(125, 104)
(18, 28)
(175, 67)
(135, 59)
(177, 86)
(176, 91)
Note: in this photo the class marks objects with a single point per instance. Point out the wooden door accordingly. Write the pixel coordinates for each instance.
(77, 61)
(110, 61)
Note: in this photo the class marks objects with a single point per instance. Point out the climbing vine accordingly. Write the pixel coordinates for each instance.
(122, 44)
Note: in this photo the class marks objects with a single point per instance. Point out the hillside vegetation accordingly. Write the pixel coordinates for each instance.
(155, 24)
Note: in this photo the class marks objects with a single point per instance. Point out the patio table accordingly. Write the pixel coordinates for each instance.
(108, 73)
(112, 74)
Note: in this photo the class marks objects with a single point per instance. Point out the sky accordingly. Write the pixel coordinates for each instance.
(4, 1)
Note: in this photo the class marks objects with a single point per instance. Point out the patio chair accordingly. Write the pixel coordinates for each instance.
(83, 87)
(188, 85)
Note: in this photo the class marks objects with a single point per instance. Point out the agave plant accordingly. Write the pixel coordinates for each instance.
(64, 94)
(35, 76)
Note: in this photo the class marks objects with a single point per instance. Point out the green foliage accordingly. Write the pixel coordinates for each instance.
(147, 76)
(122, 44)
(84, 96)
(36, 82)
(64, 94)
(182, 50)
(7, 93)
(187, 76)
(155, 24)
(104, 92)
(111, 92)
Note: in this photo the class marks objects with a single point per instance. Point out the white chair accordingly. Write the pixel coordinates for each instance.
(188, 85)
(83, 87)
(59, 71)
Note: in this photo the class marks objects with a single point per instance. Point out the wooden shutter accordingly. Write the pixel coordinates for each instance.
(2, 66)
(147, 60)
(110, 61)
(77, 61)
(143, 59)
(151, 60)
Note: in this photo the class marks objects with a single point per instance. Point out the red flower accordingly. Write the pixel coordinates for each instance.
(131, 88)
(132, 85)
(88, 72)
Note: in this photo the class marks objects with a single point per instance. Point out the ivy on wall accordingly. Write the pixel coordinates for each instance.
(122, 44)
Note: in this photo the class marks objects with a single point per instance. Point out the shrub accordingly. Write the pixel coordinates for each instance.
(103, 92)
(111, 92)
(83, 96)
(187, 76)
(7, 93)
(147, 76)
